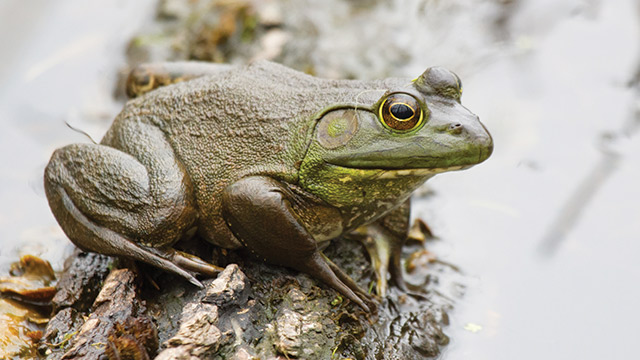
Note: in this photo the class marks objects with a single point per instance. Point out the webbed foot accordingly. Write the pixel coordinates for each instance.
(385, 250)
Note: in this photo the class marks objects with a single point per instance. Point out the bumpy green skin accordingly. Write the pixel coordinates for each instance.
(249, 121)
(185, 156)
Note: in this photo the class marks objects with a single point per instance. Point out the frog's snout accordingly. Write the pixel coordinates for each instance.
(484, 141)
(486, 147)
(468, 132)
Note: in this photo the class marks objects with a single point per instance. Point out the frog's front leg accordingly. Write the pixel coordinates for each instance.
(127, 197)
(259, 212)
(384, 240)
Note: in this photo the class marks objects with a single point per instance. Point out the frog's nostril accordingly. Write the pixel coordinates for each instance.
(455, 128)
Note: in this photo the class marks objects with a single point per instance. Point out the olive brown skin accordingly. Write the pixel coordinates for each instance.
(263, 157)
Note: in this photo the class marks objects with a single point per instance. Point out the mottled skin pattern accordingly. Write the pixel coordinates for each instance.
(254, 121)
(265, 157)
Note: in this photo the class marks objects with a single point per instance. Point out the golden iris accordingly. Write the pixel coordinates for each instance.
(401, 112)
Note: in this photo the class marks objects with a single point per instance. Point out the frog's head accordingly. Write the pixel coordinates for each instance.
(419, 126)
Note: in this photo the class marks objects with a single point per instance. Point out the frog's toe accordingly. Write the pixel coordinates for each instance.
(319, 266)
(347, 280)
(385, 252)
(193, 263)
(395, 270)
(379, 253)
(381, 285)
(380, 267)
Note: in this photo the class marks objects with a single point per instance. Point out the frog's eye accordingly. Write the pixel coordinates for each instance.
(401, 112)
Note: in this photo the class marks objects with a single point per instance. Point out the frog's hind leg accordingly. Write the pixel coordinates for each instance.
(134, 200)
(112, 243)
(147, 77)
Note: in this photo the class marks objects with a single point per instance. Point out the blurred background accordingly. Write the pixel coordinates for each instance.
(546, 233)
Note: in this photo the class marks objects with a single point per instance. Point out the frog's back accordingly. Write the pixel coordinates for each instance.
(256, 120)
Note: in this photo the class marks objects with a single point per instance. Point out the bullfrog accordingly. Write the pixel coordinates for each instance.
(267, 158)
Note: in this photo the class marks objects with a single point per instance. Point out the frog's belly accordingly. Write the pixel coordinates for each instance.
(363, 214)
(322, 222)
(348, 219)
(325, 231)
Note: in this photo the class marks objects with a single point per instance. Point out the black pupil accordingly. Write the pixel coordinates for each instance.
(401, 111)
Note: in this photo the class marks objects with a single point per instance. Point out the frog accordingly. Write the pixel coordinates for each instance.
(265, 158)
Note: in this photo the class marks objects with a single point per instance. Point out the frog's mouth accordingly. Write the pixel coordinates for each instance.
(395, 173)
(411, 160)
(389, 173)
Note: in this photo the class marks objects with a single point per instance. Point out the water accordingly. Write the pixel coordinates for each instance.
(546, 231)
(59, 63)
